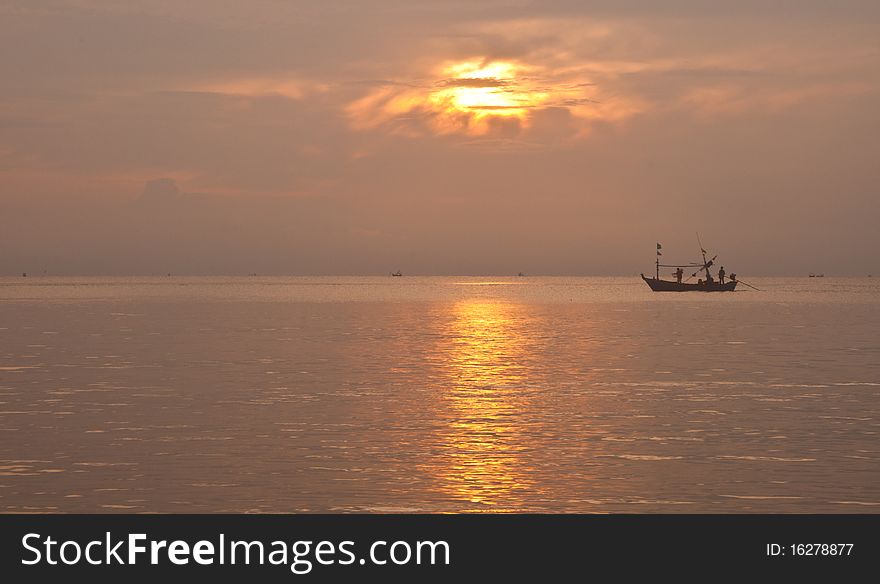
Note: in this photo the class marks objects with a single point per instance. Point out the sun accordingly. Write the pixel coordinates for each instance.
(478, 96)
(483, 89)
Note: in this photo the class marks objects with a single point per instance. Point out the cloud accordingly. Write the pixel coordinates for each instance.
(160, 190)
(604, 71)
(282, 86)
(473, 82)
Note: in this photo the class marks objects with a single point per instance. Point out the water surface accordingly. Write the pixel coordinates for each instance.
(437, 394)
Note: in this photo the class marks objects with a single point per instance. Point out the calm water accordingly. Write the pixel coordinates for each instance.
(436, 395)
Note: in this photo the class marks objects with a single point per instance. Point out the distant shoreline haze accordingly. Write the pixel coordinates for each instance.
(35, 275)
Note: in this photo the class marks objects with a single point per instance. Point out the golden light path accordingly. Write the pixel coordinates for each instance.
(485, 352)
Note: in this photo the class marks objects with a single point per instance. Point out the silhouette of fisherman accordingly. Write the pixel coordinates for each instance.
(678, 274)
(721, 273)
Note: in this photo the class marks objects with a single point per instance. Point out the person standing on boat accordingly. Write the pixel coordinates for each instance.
(678, 274)
(721, 273)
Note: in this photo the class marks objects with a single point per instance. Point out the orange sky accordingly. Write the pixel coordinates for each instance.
(437, 137)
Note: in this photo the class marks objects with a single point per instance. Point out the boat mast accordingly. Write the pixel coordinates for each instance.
(705, 263)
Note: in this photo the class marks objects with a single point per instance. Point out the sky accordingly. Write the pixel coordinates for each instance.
(456, 137)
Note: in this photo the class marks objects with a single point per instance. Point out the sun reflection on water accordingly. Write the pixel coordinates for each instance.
(485, 351)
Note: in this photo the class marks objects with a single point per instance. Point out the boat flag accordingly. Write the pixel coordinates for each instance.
(659, 247)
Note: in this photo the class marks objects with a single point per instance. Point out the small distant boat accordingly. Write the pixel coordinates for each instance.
(520, 275)
(817, 275)
(398, 273)
(707, 283)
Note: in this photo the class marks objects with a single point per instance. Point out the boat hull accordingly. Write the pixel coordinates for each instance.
(667, 286)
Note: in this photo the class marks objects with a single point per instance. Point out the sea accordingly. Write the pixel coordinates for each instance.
(437, 395)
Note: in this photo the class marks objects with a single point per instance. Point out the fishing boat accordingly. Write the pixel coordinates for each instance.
(706, 283)
(658, 285)
(398, 273)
